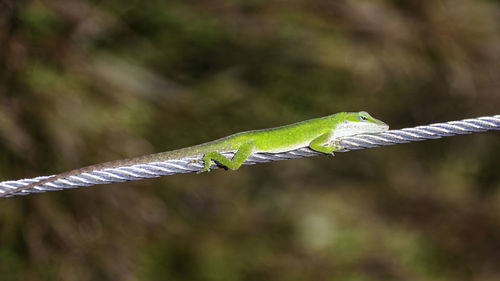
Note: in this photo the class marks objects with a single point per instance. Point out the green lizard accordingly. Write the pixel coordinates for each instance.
(320, 134)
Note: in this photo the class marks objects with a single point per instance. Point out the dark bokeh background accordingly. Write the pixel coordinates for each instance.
(83, 82)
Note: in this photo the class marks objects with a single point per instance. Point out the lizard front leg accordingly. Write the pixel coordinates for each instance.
(239, 157)
(318, 144)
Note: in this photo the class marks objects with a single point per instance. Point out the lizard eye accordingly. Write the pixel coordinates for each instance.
(363, 118)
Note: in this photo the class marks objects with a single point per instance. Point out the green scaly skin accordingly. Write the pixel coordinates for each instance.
(320, 134)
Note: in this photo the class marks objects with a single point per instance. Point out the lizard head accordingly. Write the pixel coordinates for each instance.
(362, 123)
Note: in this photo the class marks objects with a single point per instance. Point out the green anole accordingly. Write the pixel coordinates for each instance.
(320, 134)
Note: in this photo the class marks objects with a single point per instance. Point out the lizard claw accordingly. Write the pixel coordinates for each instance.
(194, 161)
(336, 145)
(205, 169)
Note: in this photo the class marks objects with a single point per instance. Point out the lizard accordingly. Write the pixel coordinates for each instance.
(320, 134)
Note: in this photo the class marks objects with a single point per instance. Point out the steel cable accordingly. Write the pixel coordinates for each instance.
(184, 165)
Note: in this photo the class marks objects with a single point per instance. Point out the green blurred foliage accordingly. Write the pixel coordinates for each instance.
(83, 82)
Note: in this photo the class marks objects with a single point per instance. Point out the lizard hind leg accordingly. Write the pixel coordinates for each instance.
(238, 159)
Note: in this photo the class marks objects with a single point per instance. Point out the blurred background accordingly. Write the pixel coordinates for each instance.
(84, 82)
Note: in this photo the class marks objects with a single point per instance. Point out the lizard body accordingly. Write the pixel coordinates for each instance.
(320, 134)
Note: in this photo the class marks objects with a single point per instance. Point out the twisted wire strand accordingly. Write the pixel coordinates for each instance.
(184, 165)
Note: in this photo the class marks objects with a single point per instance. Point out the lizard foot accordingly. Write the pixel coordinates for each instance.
(336, 146)
(205, 169)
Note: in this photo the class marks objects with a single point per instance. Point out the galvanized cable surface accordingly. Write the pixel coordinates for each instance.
(184, 165)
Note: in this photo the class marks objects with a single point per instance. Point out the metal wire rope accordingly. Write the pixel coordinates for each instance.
(184, 165)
